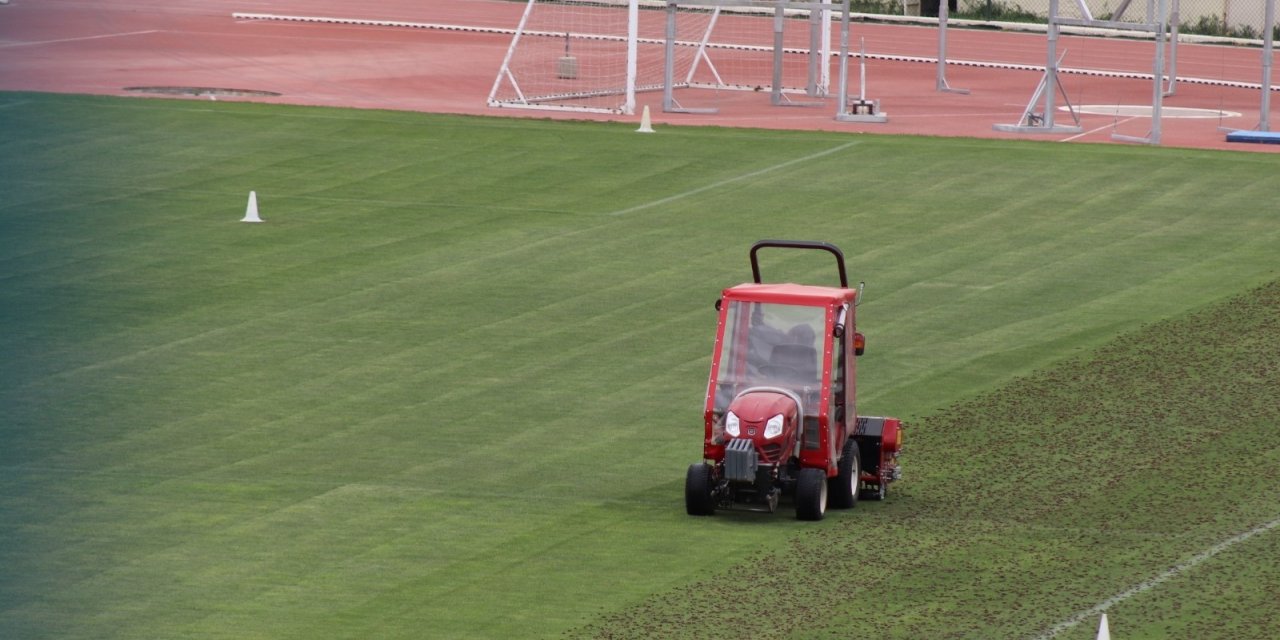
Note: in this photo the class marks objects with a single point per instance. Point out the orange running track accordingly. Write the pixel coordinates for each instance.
(104, 46)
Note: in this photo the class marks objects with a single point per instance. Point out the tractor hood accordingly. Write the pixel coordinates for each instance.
(750, 415)
(759, 406)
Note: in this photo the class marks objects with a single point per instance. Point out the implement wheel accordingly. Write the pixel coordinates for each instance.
(844, 487)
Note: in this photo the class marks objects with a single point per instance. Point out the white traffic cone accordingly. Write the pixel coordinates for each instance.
(251, 211)
(645, 125)
(1104, 633)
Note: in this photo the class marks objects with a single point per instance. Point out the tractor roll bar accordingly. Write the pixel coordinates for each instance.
(798, 244)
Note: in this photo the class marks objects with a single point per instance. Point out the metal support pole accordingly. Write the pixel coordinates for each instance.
(1051, 65)
(815, 45)
(1175, 18)
(668, 63)
(1269, 27)
(941, 85)
(842, 82)
(1157, 97)
(779, 17)
(633, 54)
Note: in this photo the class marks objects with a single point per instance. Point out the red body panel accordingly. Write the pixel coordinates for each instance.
(833, 301)
(785, 359)
(891, 441)
(756, 408)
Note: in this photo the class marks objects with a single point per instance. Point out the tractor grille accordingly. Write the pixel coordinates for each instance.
(770, 453)
(740, 460)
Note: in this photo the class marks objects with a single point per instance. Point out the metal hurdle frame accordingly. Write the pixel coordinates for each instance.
(860, 109)
(1163, 66)
(863, 110)
(819, 20)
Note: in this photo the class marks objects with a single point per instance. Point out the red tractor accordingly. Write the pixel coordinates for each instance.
(780, 414)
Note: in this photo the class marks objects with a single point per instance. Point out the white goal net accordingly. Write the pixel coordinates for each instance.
(595, 55)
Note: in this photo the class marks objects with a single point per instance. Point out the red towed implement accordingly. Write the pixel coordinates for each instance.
(780, 414)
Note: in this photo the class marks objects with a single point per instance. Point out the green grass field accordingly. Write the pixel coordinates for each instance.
(450, 387)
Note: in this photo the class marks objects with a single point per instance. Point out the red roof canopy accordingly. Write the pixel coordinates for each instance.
(787, 293)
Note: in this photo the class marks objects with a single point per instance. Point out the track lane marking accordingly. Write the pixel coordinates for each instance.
(1102, 128)
(80, 39)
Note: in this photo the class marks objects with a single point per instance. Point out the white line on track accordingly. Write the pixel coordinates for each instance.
(1103, 128)
(97, 37)
(982, 64)
(721, 183)
(1143, 587)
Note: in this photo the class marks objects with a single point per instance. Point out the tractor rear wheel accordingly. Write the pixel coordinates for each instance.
(697, 491)
(811, 494)
(844, 487)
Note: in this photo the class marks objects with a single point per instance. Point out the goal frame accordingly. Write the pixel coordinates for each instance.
(818, 69)
(543, 102)
(507, 89)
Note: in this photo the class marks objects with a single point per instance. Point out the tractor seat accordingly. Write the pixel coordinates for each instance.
(793, 363)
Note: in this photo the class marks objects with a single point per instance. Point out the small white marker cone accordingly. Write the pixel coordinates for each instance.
(645, 125)
(251, 211)
(1104, 633)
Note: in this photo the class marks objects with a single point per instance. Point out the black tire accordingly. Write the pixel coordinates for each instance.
(811, 494)
(844, 487)
(697, 491)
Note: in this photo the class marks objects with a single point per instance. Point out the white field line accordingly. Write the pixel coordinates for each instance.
(1147, 585)
(97, 37)
(721, 183)
(1102, 128)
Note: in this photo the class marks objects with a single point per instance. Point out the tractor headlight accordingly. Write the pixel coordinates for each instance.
(773, 428)
(731, 425)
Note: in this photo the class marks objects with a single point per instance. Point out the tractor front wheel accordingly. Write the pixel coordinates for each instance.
(811, 494)
(697, 491)
(844, 487)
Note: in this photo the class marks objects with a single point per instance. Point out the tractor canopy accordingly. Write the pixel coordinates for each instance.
(777, 337)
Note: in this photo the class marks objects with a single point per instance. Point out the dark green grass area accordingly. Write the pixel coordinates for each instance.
(1058, 491)
(449, 388)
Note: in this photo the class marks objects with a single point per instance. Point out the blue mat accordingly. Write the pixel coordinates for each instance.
(1262, 137)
